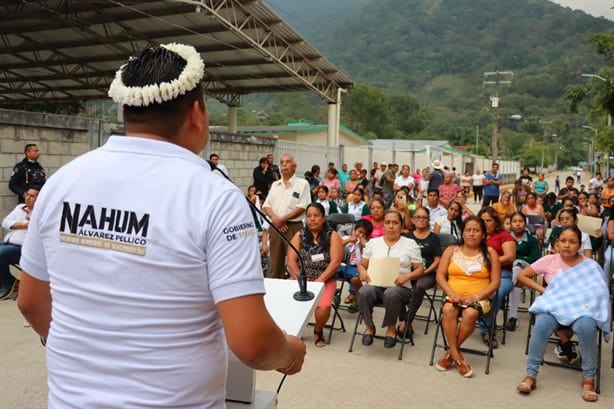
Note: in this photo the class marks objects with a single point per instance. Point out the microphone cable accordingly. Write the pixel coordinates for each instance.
(264, 216)
(270, 222)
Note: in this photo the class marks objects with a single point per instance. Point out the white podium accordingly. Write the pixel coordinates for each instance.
(289, 315)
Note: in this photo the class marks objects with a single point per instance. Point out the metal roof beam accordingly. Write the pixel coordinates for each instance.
(283, 53)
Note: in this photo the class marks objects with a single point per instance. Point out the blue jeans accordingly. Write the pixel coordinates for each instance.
(347, 273)
(9, 254)
(506, 286)
(545, 325)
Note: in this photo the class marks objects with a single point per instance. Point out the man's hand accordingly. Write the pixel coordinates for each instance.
(279, 223)
(299, 355)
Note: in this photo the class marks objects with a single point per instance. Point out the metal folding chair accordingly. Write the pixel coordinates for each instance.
(488, 353)
(337, 221)
(15, 270)
(408, 337)
(445, 239)
(554, 340)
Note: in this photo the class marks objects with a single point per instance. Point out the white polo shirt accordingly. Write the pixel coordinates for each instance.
(139, 242)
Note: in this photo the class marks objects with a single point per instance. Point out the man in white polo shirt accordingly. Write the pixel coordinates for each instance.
(285, 205)
(135, 274)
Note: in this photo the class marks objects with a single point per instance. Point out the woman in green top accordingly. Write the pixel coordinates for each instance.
(527, 252)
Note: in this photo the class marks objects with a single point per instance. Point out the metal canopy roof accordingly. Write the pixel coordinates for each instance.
(66, 50)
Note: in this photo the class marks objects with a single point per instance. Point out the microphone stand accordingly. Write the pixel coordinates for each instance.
(302, 294)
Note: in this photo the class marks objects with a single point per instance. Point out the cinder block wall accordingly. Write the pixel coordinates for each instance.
(240, 154)
(62, 138)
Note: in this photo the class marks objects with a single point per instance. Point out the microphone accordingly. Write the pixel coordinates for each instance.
(302, 294)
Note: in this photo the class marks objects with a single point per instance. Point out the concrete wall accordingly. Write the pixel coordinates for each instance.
(62, 138)
(240, 154)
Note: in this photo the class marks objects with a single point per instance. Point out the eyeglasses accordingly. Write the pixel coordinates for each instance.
(421, 217)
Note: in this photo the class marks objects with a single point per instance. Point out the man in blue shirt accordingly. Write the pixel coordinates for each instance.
(492, 181)
(343, 177)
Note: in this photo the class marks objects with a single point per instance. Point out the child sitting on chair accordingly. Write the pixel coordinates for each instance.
(353, 245)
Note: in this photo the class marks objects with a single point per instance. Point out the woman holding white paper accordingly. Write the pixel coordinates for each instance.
(398, 293)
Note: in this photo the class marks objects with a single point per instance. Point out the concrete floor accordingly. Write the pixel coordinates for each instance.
(334, 378)
(369, 377)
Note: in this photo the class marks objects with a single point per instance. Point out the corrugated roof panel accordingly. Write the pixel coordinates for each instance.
(75, 46)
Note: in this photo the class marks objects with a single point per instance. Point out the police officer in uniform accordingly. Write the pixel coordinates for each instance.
(27, 173)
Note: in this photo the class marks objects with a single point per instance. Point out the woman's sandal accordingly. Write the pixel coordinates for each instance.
(464, 368)
(446, 362)
(527, 385)
(319, 338)
(349, 299)
(588, 390)
(494, 343)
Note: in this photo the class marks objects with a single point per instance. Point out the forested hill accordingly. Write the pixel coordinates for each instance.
(317, 20)
(438, 50)
(404, 44)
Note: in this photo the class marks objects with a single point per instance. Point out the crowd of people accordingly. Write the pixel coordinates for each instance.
(520, 232)
(526, 235)
(177, 280)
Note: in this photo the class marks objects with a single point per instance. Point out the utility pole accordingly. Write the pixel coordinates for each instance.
(496, 78)
(545, 123)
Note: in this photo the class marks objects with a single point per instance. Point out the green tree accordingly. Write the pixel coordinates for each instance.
(604, 44)
(365, 110)
(597, 93)
(406, 114)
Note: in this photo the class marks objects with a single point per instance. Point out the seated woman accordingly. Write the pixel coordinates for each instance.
(468, 274)
(505, 207)
(400, 203)
(587, 208)
(430, 249)
(527, 252)
(569, 217)
(581, 283)
(392, 245)
(376, 217)
(452, 222)
(532, 208)
(352, 182)
(321, 252)
(505, 246)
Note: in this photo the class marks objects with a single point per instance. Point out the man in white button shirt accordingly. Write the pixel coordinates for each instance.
(143, 274)
(285, 205)
(16, 222)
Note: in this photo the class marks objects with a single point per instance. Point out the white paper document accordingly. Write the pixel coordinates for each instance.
(383, 271)
(588, 224)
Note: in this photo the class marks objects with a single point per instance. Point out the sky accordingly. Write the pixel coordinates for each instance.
(599, 8)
